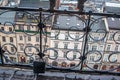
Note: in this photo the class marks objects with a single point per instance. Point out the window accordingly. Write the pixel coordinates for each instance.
(75, 46)
(55, 54)
(11, 39)
(113, 58)
(66, 37)
(65, 45)
(38, 46)
(94, 47)
(74, 55)
(45, 39)
(29, 16)
(87, 47)
(28, 27)
(29, 38)
(77, 37)
(91, 58)
(5, 48)
(105, 58)
(21, 37)
(96, 38)
(3, 39)
(12, 49)
(29, 49)
(20, 27)
(64, 55)
(118, 37)
(2, 28)
(108, 47)
(116, 47)
(88, 39)
(13, 59)
(37, 39)
(56, 45)
(110, 36)
(10, 29)
(101, 48)
(20, 15)
(56, 37)
(21, 47)
(95, 66)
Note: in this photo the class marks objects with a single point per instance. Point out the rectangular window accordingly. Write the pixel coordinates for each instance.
(20, 27)
(56, 45)
(87, 47)
(28, 28)
(64, 55)
(29, 49)
(21, 47)
(94, 47)
(65, 46)
(108, 47)
(91, 58)
(118, 37)
(56, 37)
(66, 37)
(38, 48)
(11, 39)
(20, 15)
(105, 58)
(13, 59)
(2, 28)
(96, 38)
(75, 46)
(76, 37)
(29, 38)
(110, 36)
(20, 37)
(89, 39)
(37, 39)
(116, 47)
(29, 16)
(55, 54)
(12, 49)
(10, 29)
(101, 48)
(74, 56)
(3, 39)
(5, 48)
(113, 58)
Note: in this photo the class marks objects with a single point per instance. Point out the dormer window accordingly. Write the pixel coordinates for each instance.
(20, 15)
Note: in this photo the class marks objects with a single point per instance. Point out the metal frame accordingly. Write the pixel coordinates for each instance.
(41, 26)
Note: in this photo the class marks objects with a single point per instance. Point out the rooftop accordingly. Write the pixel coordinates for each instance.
(7, 17)
(34, 3)
(113, 23)
(26, 74)
(112, 7)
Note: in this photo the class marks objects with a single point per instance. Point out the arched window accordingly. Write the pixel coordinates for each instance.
(54, 63)
(118, 70)
(72, 64)
(63, 64)
(104, 67)
(95, 66)
(111, 67)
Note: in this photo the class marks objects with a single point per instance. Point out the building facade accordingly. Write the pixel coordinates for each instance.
(64, 42)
